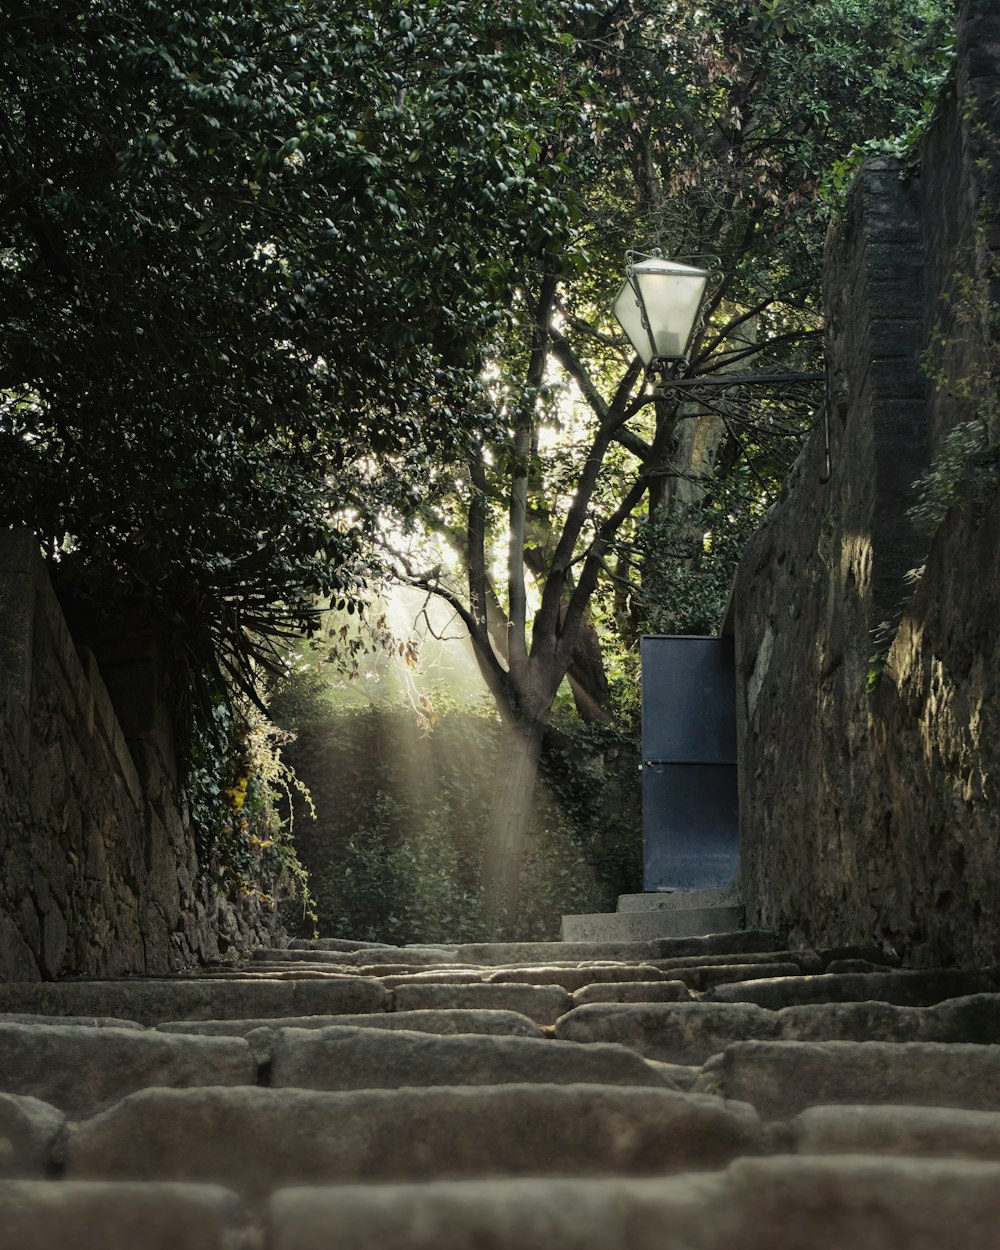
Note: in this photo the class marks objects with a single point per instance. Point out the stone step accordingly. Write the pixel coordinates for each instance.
(443, 1020)
(38, 1215)
(783, 1078)
(542, 1003)
(909, 987)
(150, 1000)
(702, 977)
(866, 1202)
(83, 1070)
(673, 900)
(31, 1133)
(632, 992)
(257, 1140)
(755, 1204)
(571, 979)
(643, 926)
(692, 1032)
(342, 1058)
(934, 1132)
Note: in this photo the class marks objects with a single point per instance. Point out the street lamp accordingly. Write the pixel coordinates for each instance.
(658, 307)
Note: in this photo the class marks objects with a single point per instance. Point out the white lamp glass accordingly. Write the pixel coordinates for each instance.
(658, 305)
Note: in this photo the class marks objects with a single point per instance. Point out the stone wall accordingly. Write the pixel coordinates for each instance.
(98, 871)
(869, 700)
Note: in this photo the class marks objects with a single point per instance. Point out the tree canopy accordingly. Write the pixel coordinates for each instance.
(248, 251)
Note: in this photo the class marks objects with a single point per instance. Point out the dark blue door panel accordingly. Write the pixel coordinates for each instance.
(689, 781)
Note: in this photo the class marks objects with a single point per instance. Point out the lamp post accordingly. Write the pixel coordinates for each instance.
(658, 307)
(689, 770)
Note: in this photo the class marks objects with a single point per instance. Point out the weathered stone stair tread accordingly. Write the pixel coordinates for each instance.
(706, 977)
(149, 1001)
(936, 1132)
(632, 992)
(542, 1003)
(94, 1022)
(389, 958)
(807, 960)
(575, 978)
(40, 1215)
(30, 1131)
(343, 1059)
(257, 1140)
(82, 1071)
(691, 1032)
(866, 1203)
(783, 1078)
(657, 948)
(432, 1020)
(910, 987)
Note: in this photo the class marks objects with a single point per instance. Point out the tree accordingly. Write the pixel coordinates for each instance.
(711, 130)
(250, 252)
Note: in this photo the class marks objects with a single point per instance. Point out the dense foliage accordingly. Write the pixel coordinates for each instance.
(246, 250)
(395, 850)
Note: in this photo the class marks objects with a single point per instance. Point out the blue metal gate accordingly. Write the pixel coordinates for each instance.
(690, 809)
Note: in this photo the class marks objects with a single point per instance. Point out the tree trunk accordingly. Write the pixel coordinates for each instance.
(506, 835)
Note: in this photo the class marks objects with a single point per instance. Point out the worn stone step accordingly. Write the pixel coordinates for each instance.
(83, 1070)
(92, 1022)
(972, 1018)
(912, 988)
(935, 1132)
(643, 926)
(342, 1058)
(388, 957)
(256, 1140)
(506, 953)
(150, 1000)
(31, 1133)
(692, 1032)
(632, 992)
(542, 1003)
(783, 1078)
(706, 977)
(443, 1020)
(866, 1203)
(807, 960)
(672, 900)
(686, 1033)
(38, 1215)
(571, 979)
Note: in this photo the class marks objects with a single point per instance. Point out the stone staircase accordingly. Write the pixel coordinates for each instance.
(702, 1093)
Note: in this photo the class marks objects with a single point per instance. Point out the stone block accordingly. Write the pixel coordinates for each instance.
(343, 1058)
(442, 1020)
(198, 998)
(38, 1215)
(705, 978)
(916, 988)
(30, 1135)
(542, 1003)
(83, 1070)
(509, 953)
(632, 992)
(935, 1132)
(866, 1203)
(783, 1078)
(644, 926)
(258, 1140)
(685, 1033)
(572, 979)
(522, 1214)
